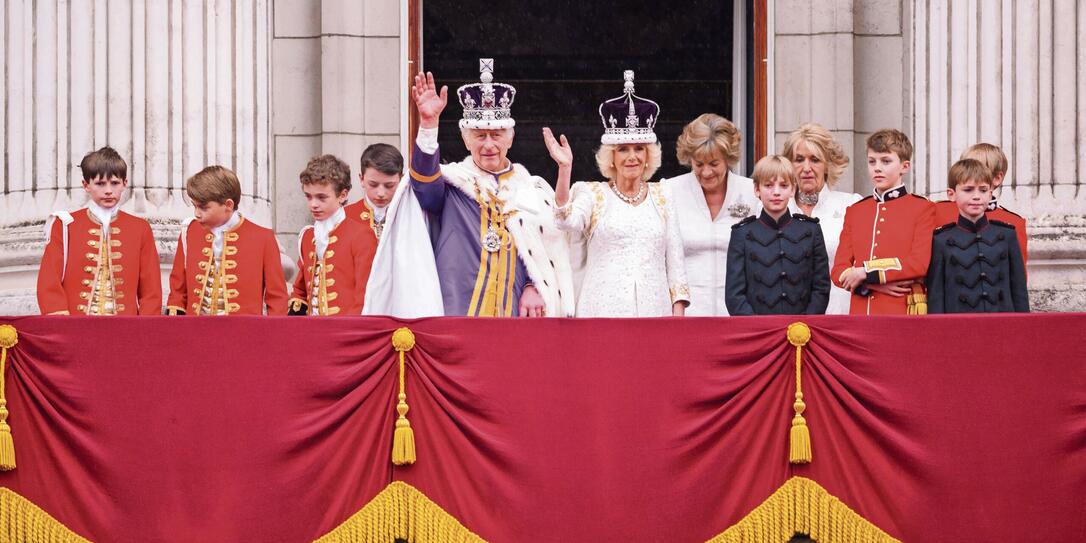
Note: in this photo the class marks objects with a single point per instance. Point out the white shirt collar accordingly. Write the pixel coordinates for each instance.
(218, 231)
(378, 212)
(103, 214)
(323, 228)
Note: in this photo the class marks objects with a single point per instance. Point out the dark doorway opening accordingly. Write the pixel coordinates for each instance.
(566, 56)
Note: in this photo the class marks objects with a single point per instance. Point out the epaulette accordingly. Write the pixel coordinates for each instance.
(946, 227)
(805, 218)
(749, 219)
(1001, 223)
(919, 196)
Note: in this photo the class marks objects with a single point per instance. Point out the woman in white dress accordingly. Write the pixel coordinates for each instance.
(633, 263)
(709, 200)
(819, 162)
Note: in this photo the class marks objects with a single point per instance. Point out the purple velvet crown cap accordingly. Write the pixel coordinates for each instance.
(487, 104)
(628, 118)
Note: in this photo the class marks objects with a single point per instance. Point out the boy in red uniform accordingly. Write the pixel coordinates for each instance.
(993, 158)
(100, 260)
(382, 168)
(335, 253)
(225, 264)
(886, 240)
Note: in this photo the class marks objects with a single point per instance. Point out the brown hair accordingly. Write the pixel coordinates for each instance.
(821, 142)
(966, 170)
(889, 140)
(383, 158)
(105, 162)
(214, 184)
(706, 136)
(327, 170)
(771, 167)
(991, 156)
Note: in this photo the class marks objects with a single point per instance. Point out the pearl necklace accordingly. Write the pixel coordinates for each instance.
(632, 200)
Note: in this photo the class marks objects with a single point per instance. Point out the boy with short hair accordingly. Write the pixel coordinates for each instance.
(335, 254)
(886, 239)
(993, 158)
(777, 262)
(976, 263)
(225, 263)
(382, 168)
(100, 260)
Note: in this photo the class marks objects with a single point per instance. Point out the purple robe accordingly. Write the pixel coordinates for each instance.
(474, 282)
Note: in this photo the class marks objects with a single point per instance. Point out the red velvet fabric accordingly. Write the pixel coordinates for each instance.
(937, 428)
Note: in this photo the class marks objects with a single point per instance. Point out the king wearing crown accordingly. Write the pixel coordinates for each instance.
(496, 249)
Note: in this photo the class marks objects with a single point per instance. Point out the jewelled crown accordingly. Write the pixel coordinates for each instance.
(628, 118)
(486, 104)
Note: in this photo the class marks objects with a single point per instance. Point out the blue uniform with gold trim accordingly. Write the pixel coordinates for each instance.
(777, 267)
(976, 268)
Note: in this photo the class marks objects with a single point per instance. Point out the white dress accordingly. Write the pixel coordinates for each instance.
(830, 212)
(632, 255)
(705, 239)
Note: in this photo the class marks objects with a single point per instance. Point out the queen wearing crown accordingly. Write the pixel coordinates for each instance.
(632, 258)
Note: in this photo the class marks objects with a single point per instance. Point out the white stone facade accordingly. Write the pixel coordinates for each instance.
(262, 85)
(950, 74)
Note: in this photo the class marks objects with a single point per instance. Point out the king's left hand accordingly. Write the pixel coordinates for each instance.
(531, 303)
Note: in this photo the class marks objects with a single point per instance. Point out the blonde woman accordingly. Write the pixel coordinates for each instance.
(709, 200)
(633, 259)
(819, 162)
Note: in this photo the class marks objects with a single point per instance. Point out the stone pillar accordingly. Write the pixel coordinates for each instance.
(337, 88)
(813, 58)
(1012, 74)
(173, 86)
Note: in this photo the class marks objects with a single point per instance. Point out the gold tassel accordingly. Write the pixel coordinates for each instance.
(403, 440)
(8, 338)
(920, 299)
(800, 438)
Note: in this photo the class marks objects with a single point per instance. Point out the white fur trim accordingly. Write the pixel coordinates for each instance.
(487, 124)
(622, 139)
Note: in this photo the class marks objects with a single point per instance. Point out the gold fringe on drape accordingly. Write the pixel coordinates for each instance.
(25, 522)
(803, 506)
(400, 511)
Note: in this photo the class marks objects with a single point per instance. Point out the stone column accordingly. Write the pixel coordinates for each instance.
(813, 58)
(337, 87)
(172, 85)
(1012, 74)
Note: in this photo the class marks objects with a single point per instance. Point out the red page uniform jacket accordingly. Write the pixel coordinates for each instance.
(890, 237)
(361, 211)
(334, 283)
(99, 271)
(946, 212)
(245, 278)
